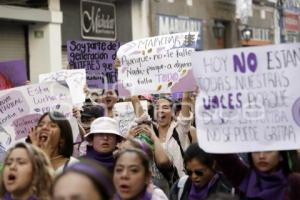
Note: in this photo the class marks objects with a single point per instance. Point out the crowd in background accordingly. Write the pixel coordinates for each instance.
(158, 158)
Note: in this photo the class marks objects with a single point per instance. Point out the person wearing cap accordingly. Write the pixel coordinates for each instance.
(87, 115)
(103, 137)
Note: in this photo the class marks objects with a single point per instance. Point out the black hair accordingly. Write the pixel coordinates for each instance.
(66, 133)
(116, 91)
(194, 152)
(288, 164)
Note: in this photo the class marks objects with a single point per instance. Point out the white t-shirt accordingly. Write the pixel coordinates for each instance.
(70, 162)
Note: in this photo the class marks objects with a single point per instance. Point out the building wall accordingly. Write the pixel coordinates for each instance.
(207, 11)
(42, 35)
(262, 26)
(291, 21)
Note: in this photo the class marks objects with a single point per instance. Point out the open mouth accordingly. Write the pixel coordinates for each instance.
(43, 137)
(124, 188)
(11, 178)
(108, 101)
(161, 117)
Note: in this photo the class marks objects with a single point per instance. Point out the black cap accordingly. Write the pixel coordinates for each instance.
(92, 111)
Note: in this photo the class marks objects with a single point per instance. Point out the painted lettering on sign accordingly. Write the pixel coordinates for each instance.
(249, 99)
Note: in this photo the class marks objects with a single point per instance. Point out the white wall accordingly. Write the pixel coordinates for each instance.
(45, 52)
(140, 19)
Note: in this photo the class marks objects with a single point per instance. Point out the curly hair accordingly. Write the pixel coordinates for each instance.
(43, 173)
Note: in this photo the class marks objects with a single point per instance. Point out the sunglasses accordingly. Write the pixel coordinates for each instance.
(197, 172)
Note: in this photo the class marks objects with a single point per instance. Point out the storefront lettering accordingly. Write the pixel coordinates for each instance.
(98, 22)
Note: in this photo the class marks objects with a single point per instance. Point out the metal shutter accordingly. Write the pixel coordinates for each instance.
(12, 42)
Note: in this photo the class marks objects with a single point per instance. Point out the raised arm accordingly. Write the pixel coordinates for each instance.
(137, 106)
(184, 121)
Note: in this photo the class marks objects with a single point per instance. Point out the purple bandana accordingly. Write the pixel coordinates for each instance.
(105, 159)
(258, 185)
(202, 193)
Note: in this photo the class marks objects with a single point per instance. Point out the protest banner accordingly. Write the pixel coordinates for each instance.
(156, 65)
(97, 58)
(125, 115)
(249, 98)
(12, 74)
(21, 107)
(76, 80)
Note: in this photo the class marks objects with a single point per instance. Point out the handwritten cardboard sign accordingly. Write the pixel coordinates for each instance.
(155, 65)
(76, 80)
(12, 74)
(249, 98)
(97, 58)
(21, 107)
(126, 115)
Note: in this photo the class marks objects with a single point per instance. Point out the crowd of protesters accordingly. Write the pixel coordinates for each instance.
(158, 158)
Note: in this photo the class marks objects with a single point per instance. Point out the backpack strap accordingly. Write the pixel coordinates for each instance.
(66, 164)
(181, 184)
(190, 137)
(176, 137)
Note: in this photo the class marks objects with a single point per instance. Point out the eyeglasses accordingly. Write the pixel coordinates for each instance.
(197, 172)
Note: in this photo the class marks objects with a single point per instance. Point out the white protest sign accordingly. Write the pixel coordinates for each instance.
(76, 80)
(249, 98)
(126, 115)
(159, 64)
(21, 107)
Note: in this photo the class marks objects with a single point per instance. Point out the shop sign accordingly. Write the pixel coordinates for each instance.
(98, 20)
(291, 22)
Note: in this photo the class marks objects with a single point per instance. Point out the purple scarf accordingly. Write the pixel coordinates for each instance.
(8, 196)
(106, 159)
(265, 186)
(202, 193)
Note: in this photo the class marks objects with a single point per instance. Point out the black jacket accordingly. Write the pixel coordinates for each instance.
(220, 186)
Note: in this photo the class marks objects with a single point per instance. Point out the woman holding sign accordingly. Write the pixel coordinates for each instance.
(270, 175)
(174, 135)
